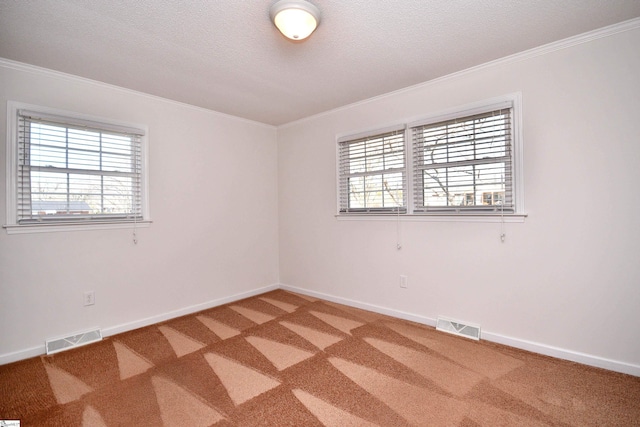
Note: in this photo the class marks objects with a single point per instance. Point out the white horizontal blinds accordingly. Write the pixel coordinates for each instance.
(372, 173)
(71, 171)
(464, 164)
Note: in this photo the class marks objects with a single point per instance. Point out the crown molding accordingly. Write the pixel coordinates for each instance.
(34, 69)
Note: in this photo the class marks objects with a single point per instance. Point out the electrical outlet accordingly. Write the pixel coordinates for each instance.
(89, 298)
(403, 281)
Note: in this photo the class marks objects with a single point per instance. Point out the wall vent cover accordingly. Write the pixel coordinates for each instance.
(457, 327)
(72, 341)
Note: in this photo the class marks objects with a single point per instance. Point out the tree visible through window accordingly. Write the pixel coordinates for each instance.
(372, 177)
(461, 163)
(74, 171)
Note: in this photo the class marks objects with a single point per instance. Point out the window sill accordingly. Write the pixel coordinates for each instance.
(73, 226)
(493, 217)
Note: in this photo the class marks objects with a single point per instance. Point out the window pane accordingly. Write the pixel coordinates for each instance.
(374, 147)
(435, 187)
(84, 140)
(44, 183)
(64, 170)
(375, 163)
(356, 192)
(373, 191)
(473, 159)
(364, 163)
(84, 159)
(84, 184)
(117, 163)
(117, 204)
(46, 155)
(393, 190)
(53, 136)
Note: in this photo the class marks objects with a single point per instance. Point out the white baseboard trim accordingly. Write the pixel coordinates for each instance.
(561, 353)
(534, 347)
(22, 354)
(113, 330)
(125, 327)
(364, 306)
(547, 350)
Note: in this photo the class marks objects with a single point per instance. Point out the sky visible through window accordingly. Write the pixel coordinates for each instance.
(80, 171)
(465, 162)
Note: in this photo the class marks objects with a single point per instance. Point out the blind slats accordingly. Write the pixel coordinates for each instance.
(372, 173)
(464, 164)
(78, 170)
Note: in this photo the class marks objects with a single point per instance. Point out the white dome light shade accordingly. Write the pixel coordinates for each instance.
(296, 19)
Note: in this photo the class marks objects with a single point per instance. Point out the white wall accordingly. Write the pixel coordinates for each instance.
(567, 281)
(213, 202)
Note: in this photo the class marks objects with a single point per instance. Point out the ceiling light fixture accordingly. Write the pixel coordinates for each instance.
(296, 19)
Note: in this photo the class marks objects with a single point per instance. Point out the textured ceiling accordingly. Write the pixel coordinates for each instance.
(225, 55)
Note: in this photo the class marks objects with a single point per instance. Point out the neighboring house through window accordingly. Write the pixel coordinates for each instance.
(69, 170)
(373, 173)
(463, 162)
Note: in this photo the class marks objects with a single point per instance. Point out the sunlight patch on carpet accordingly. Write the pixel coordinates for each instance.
(180, 407)
(451, 377)
(242, 383)
(220, 329)
(180, 343)
(415, 404)
(281, 355)
(92, 418)
(307, 297)
(321, 340)
(470, 354)
(66, 388)
(130, 363)
(340, 323)
(289, 308)
(560, 404)
(253, 315)
(328, 414)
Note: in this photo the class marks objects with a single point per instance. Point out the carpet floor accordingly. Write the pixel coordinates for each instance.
(283, 359)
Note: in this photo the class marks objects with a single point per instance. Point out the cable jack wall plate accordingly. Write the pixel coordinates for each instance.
(77, 340)
(457, 327)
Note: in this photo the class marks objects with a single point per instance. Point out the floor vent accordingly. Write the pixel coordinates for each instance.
(456, 327)
(77, 340)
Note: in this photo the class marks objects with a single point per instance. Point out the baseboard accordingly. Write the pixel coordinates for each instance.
(534, 347)
(124, 327)
(547, 350)
(364, 306)
(106, 332)
(22, 354)
(561, 353)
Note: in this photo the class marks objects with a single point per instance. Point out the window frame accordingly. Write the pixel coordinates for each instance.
(14, 226)
(517, 214)
(344, 177)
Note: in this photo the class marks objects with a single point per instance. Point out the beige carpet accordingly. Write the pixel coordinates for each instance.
(282, 359)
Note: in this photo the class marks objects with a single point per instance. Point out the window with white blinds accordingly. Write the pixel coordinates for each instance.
(466, 161)
(71, 170)
(464, 164)
(372, 173)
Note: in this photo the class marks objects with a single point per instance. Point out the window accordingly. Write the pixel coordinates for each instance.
(373, 173)
(465, 162)
(67, 170)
